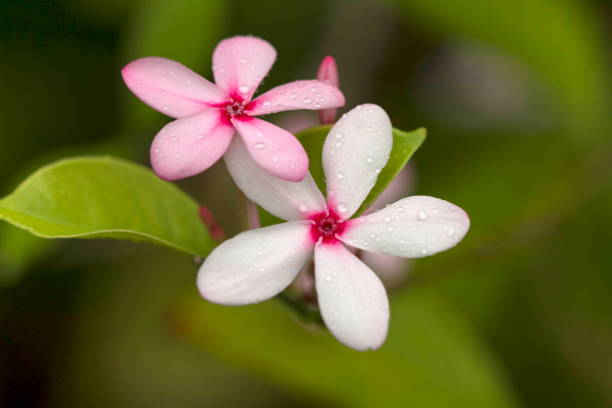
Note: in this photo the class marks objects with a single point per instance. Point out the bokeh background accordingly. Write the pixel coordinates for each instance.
(515, 95)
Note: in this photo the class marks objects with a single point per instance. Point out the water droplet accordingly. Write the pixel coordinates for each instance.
(339, 145)
(451, 232)
(339, 135)
(303, 207)
(340, 176)
(369, 159)
(260, 145)
(244, 89)
(294, 96)
(422, 215)
(242, 60)
(267, 103)
(174, 138)
(370, 129)
(329, 278)
(275, 159)
(342, 207)
(307, 100)
(387, 219)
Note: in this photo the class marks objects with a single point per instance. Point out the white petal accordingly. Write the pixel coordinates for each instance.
(412, 227)
(352, 299)
(284, 199)
(255, 265)
(355, 151)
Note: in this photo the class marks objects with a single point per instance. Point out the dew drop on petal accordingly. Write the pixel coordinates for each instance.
(422, 215)
(244, 89)
(342, 207)
(260, 145)
(369, 159)
(340, 176)
(307, 101)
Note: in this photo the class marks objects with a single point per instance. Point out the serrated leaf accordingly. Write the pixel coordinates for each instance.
(404, 146)
(105, 197)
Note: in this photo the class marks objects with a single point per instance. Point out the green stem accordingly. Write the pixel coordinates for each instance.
(304, 312)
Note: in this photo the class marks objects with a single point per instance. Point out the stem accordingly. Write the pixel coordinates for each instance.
(304, 312)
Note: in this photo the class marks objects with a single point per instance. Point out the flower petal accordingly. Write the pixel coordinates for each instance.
(170, 87)
(240, 64)
(352, 299)
(413, 227)
(255, 265)
(356, 149)
(273, 148)
(190, 145)
(308, 94)
(284, 199)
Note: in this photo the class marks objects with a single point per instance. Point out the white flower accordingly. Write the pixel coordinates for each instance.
(258, 264)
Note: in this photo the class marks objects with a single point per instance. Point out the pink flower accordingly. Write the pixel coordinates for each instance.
(258, 264)
(328, 73)
(207, 114)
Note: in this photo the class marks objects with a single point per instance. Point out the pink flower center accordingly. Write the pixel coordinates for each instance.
(235, 107)
(326, 226)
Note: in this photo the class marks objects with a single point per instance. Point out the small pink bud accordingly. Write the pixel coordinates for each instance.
(328, 73)
(216, 232)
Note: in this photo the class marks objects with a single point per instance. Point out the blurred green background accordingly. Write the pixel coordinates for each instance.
(516, 98)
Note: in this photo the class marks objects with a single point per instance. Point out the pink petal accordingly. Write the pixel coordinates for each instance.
(352, 299)
(284, 199)
(273, 148)
(307, 94)
(255, 265)
(241, 63)
(328, 73)
(355, 151)
(190, 145)
(170, 87)
(413, 227)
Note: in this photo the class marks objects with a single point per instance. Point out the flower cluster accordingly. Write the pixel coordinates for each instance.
(269, 165)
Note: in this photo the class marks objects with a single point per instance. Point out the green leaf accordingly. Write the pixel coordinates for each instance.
(104, 197)
(430, 359)
(404, 146)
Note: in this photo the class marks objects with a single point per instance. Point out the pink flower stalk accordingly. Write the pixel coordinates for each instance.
(258, 264)
(328, 73)
(208, 114)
